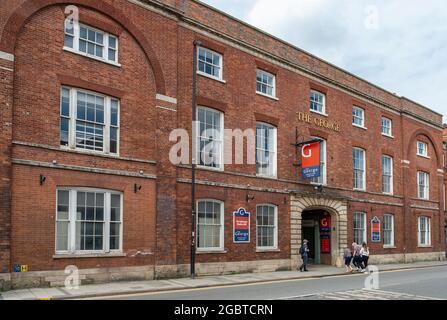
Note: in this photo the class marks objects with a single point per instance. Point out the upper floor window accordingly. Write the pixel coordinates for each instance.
(424, 238)
(266, 227)
(423, 185)
(210, 138)
(265, 83)
(387, 174)
(265, 149)
(88, 220)
(322, 178)
(209, 63)
(89, 121)
(387, 129)
(422, 149)
(358, 156)
(90, 42)
(358, 117)
(210, 225)
(317, 102)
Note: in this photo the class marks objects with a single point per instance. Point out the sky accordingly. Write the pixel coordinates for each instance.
(398, 45)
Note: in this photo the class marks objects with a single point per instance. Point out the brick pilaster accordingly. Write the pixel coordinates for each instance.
(6, 102)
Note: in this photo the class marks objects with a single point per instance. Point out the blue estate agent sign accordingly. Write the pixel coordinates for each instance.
(241, 226)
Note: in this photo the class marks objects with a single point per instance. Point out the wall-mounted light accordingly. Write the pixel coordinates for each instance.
(249, 197)
(42, 179)
(136, 188)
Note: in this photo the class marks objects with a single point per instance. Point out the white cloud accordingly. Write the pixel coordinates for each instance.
(398, 45)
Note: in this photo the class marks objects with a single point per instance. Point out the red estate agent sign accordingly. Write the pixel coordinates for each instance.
(241, 226)
(311, 160)
(325, 234)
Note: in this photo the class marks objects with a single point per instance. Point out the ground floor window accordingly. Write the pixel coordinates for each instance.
(424, 231)
(210, 225)
(88, 220)
(388, 230)
(266, 227)
(359, 227)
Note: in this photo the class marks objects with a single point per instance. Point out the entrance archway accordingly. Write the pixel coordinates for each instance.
(307, 212)
(316, 227)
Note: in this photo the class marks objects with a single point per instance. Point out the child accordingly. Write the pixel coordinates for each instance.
(348, 258)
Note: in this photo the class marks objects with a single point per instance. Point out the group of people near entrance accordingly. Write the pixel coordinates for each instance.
(356, 257)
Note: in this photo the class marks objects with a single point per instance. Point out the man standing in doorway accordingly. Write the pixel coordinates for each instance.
(304, 252)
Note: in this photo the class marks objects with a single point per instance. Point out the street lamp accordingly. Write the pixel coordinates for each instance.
(193, 166)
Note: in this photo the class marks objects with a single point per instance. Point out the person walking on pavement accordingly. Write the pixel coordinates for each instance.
(347, 255)
(364, 253)
(356, 257)
(304, 252)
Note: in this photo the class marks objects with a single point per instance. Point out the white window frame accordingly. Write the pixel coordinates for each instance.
(222, 227)
(425, 149)
(73, 92)
(364, 227)
(221, 139)
(76, 37)
(273, 86)
(275, 231)
(363, 188)
(391, 244)
(427, 238)
(221, 66)
(390, 134)
(322, 180)
(355, 116)
(391, 174)
(424, 184)
(72, 222)
(323, 104)
(274, 151)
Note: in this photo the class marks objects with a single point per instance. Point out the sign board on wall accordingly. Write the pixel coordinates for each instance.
(376, 230)
(310, 163)
(325, 233)
(241, 226)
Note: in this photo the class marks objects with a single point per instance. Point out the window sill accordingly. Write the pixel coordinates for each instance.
(210, 77)
(390, 247)
(200, 167)
(320, 113)
(267, 96)
(387, 135)
(422, 156)
(318, 184)
(68, 49)
(91, 152)
(266, 177)
(221, 251)
(425, 246)
(88, 255)
(267, 250)
(360, 127)
(359, 190)
(387, 193)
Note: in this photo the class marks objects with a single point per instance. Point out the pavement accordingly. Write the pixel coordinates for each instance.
(178, 285)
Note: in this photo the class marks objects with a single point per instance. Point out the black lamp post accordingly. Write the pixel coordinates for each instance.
(194, 162)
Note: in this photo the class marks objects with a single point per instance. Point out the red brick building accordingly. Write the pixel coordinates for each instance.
(87, 109)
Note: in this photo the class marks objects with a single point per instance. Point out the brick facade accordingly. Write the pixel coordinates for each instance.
(154, 85)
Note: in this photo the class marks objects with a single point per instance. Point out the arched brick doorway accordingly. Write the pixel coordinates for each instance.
(311, 205)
